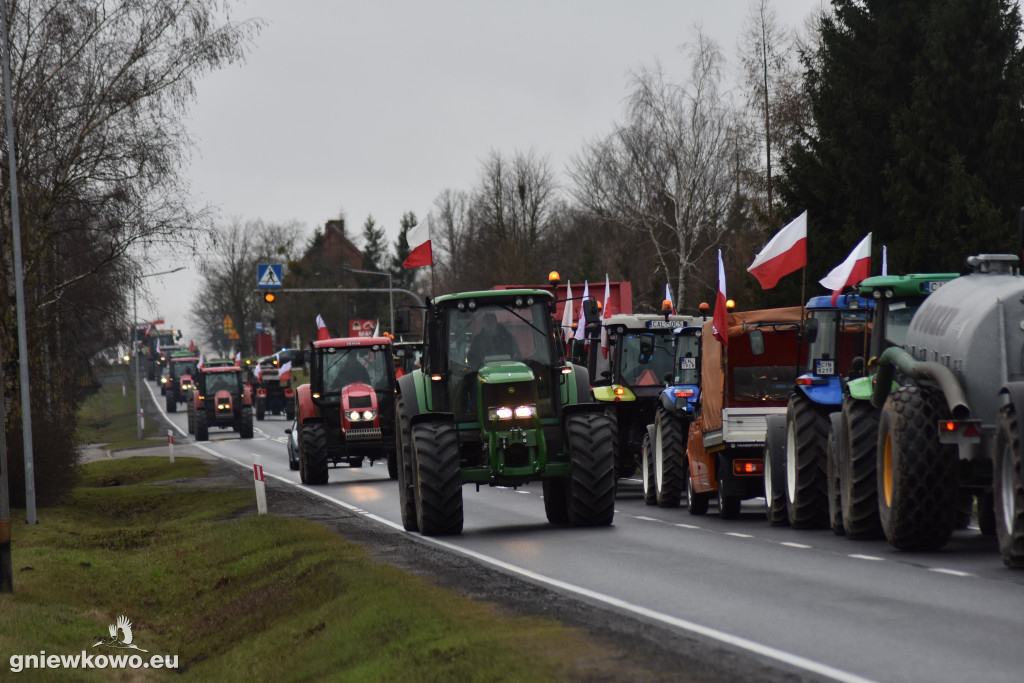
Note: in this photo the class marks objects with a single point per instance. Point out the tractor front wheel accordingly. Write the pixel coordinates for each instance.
(858, 462)
(592, 481)
(775, 471)
(647, 462)
(917, 476)
(438, 483)
(556, 500)
(403, 456)
(245, 424)
(313, 453)
(202, 430)
(669, 457)
(806, 463)
(835, 501)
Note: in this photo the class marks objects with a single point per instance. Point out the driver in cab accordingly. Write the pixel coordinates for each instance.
(493, 339)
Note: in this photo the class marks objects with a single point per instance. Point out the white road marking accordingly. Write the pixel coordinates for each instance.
(868, 557)
(687, 526)
(738, 534)
(795, 545)
(951, 572)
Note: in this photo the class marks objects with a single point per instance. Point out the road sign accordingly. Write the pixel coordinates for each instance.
(268, 275)
(259, 326)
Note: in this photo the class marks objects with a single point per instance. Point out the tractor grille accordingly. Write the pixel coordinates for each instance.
(360, 401)
(372, 434)
(517, 455)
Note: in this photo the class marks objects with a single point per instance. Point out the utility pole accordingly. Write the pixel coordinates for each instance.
(6, 566)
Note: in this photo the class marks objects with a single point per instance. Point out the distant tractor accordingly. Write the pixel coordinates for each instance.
(630, 381)
(495, 404)
(221, 399)
(346, 412)
(664, 447)
(273, 395)
(180, 369)
(408, 356)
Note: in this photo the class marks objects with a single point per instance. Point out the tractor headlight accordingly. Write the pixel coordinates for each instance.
(361, 415)
(508, 412)
(503, 413)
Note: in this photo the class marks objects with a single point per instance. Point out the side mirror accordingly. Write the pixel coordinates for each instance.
(756, 342)
(401, 321)
(810, 330)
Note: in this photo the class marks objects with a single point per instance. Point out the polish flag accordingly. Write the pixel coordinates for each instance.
(201, 361)
(581, 324)
(420, 252)
(238, 358)
(605, 314)
(284, 373)
(855, 268)
(376, 329)
(567, 313)
(668, 298)
(321, 329)
(258, 373)
(720, 319)
(784, 253)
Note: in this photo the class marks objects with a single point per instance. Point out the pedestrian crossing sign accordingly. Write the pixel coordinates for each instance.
(268, 275)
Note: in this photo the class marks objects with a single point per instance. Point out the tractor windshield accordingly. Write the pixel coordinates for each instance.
(493, 333)
(344, 366)
(840, 338)
(897, 320)
(223, 381)
(687, 359)
(645, 357)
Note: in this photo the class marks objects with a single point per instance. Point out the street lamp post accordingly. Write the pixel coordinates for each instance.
(391, 293)
(136, 347)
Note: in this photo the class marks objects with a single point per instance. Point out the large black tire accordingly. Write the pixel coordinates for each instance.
(987, 513)
(191, 419)
(592, 480)
(647, 464)
(917, 476)
(806, 463)
(669, 458)
(858, 479)
(245, 424)
(556, 500)
(313, 453)
(438, 489)
(172, 405)
(728, 506)
(624, 465)
(392, 460)
(1008, 490)
(202, 430)
(696, 503)
(775, 471)
(835, 501)
(289, 412)
(260, 410)
(403, 455)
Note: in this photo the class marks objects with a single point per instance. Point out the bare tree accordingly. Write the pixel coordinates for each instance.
(665, 172)
(452, 226)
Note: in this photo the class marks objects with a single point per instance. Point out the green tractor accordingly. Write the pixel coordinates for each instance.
(496, 404)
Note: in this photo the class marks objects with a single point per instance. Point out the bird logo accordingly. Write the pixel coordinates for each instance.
(124, 626)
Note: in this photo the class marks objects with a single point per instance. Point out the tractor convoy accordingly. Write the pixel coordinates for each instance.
(889, 412)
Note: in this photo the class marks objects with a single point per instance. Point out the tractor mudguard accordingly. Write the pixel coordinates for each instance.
(307, 409)
(606, 394)
(668, 400)
(830, 394)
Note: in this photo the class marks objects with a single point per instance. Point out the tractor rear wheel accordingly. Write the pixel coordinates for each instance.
(806, 463)
(835, 501)
(647, 463)
(1008, 490)
(858, 481)
(403, 456)
(245, 425)
(775, 471)
(917, 476)
(438, 487)
(592, 480)
(696, 503)
(669, 458)
(202, 431)
(313, 453)
(172, 405)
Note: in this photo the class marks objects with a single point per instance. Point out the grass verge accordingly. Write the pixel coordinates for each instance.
(244, 598)
(108, 416)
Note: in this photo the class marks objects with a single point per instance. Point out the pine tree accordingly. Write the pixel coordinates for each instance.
(401, 276)
(917, 132)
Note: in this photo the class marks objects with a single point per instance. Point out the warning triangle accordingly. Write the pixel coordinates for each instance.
(269, 278)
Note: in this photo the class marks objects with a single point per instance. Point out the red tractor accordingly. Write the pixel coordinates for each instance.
(220, 398)
(346, 412)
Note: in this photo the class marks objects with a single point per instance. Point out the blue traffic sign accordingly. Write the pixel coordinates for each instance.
(268, 276)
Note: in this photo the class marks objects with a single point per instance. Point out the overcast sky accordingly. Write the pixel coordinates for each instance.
(376, 106)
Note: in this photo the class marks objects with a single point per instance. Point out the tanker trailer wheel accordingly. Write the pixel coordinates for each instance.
(668, 458)
(858, 463)
(403, 456)
(313, 453)
(438, 484)
(917, 476)
(245, 426)
(835, 502)
(202, 431)
(647, 462)
(1008, 490)
(806, 463)
(696, 503)
(775, 471)
(556, 500)
(592, 477)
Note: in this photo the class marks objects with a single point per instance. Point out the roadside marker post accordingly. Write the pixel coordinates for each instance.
(170, 444)
(261, 486)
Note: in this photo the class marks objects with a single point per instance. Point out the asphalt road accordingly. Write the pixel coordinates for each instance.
(824, 605)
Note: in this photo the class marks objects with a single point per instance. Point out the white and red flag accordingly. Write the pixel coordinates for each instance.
(784, 253)
(720, 319)
(581, 324)
(567, 313)
(238, 358)
(605, 314)
(420, 250)
(376, 329)
(321, 329)
(258, 373)
(201, 361)
(668, 298)
(284, 373)
(855, 268)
